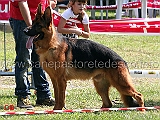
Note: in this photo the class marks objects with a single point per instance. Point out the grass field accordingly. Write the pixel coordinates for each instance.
(141, 52)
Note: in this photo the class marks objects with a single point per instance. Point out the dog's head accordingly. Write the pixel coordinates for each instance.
(41, 23)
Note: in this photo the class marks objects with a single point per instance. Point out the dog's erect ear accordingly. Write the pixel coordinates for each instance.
(39, 11)
(48, 16)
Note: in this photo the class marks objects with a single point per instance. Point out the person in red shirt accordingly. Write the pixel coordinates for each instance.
(22, 12)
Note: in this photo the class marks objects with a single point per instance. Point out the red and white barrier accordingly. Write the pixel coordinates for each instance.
(154, 4)
(138, 26)
(127, 26)
(80, 110)
(128, 5)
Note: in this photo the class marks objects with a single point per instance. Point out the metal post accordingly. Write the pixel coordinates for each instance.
(119, 9)
(144, 8)
(92, 2)
(101, 4)
(130, 11)
(107, 3)
(5, 64)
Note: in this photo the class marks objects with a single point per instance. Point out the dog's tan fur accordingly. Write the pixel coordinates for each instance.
(51, 49)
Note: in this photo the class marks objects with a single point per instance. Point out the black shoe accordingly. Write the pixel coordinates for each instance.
(24, 103)
(47, 102)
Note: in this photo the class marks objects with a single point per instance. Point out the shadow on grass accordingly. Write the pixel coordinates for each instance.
(151, 103)
(148, 103)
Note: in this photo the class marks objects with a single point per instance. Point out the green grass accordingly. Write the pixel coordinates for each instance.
(82, 95)
(81, 98)
(141, 52)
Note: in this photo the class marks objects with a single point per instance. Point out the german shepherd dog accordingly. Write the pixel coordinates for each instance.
(68, 58)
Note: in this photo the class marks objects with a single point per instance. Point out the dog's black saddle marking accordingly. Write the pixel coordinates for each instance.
(89, 54)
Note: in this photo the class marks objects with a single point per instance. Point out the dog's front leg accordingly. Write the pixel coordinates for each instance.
(60, 93)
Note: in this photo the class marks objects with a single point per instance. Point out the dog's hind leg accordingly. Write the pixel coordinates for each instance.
(127, 98)
(123, 83)
(102, 87)
(128, 93)
(129, 101)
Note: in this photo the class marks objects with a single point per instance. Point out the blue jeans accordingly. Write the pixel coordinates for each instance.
(22, 63)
